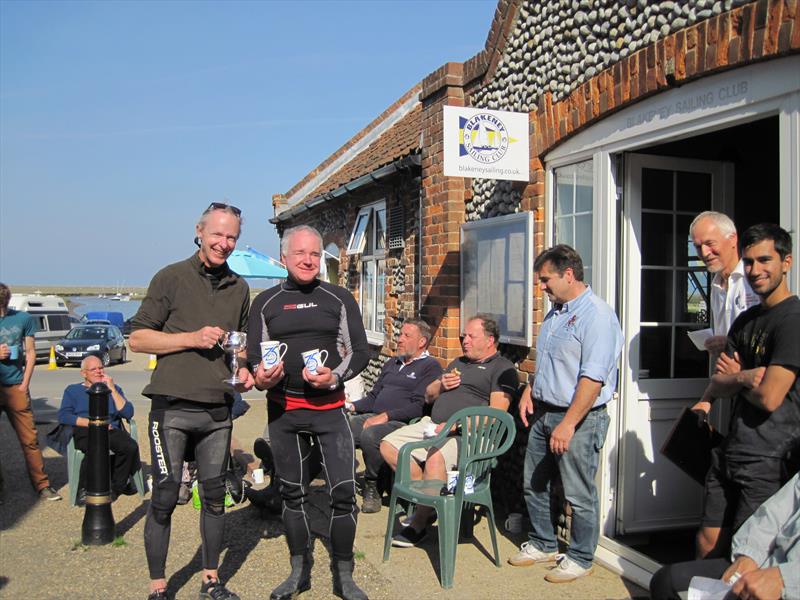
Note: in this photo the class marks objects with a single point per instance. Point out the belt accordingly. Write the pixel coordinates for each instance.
(546, 407)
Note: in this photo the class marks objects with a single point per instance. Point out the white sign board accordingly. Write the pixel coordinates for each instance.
(485, 144)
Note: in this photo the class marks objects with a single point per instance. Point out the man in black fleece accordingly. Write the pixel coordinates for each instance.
(307, 314)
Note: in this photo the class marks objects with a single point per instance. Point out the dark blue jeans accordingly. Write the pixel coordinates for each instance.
(577, 468)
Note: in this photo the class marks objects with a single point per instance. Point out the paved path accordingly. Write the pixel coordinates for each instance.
(41, 556)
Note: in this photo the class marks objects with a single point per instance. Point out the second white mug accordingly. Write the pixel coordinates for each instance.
(314, 358)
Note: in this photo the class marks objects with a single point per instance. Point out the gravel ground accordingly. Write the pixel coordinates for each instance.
(41, 556)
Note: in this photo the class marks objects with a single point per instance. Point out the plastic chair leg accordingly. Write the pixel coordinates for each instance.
(74, 460)
(448, 543)
(493, 532)
(387, 541)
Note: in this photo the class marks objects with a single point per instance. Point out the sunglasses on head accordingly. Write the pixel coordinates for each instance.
(223, 206)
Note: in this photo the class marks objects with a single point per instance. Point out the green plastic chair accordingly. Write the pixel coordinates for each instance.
(485, 433)
(75, 459)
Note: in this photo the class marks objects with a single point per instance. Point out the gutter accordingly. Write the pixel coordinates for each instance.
(402, 164)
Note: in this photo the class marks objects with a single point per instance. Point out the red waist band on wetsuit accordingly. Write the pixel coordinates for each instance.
(327, 402)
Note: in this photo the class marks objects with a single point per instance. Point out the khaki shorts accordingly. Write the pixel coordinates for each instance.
(415, 433)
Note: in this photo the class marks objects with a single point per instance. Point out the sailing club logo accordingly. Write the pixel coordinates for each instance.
(484, 137)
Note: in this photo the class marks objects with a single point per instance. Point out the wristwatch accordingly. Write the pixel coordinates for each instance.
(337, 383)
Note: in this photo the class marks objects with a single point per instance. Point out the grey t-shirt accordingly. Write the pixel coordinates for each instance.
(478, 381)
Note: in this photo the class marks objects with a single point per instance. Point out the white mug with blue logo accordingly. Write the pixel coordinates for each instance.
(272, 353)
(314, 358)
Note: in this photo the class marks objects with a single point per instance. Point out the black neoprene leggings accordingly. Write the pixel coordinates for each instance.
(210, 434)
(289, 437)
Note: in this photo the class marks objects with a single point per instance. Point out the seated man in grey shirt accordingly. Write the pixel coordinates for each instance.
(478, 378)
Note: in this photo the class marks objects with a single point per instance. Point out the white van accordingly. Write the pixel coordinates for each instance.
(52, 317)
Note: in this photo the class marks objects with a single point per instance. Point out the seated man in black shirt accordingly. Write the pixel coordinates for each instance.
(397, 397)
(478, 378)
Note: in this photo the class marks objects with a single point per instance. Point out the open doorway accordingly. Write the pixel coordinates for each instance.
(663, 296)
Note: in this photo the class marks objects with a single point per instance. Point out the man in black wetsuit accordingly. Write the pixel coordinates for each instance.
(188, 307)
(306, 314)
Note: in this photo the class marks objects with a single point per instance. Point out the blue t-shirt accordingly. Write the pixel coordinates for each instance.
(14, 328)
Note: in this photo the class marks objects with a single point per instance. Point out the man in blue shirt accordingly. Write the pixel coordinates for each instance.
(397, 397)
(74, 411)
(576, 374)
(17, 360)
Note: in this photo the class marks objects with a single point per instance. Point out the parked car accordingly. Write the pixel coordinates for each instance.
(105, 341)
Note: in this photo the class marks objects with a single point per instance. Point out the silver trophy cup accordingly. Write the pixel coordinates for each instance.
(232, 343)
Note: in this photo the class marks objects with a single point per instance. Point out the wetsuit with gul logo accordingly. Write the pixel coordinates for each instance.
(317, 316)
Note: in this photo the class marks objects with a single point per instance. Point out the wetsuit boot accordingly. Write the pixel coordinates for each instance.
(299, 579)
(343, 585)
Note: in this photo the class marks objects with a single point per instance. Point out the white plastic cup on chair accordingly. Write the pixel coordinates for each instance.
(314, 358)
(272, 353)
(452, 482)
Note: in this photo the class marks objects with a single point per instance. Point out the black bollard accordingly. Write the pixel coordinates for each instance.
(98, 522)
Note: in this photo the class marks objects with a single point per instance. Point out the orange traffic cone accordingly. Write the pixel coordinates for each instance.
(151, 364)
(52, 366)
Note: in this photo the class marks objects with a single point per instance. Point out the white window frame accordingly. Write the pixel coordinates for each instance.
(357, 245)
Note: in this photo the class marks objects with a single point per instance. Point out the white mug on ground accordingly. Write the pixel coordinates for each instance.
(258, 476)
(271, 353)
(314, 358)
(513, 523)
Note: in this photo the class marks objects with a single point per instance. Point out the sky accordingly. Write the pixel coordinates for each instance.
(121, 121)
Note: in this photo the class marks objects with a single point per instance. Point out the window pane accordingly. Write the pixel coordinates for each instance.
(656, 296)
(654, 352)
(585, 183)
(380, 294)
(657, 236)
(657, 189)
(565, 190)
(369, 245)
(573, 204)
(564, 231)
(368, 293)
(693, 191)
(583, 237)
(380, 228)
(689, 361)
(691, 298)
(357, 239)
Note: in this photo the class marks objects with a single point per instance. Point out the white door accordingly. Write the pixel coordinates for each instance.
(664, 295)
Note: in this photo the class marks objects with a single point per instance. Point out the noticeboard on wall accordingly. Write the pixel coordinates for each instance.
(496, 274)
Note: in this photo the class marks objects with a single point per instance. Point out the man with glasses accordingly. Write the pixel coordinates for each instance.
(74, 411)
(308, 314)
(189, 306)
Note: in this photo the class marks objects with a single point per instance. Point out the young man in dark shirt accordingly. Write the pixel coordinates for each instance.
(397, 397)
(759, 370)
(308, 314)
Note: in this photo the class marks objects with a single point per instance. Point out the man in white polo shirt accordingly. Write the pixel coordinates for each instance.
(714, 237)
